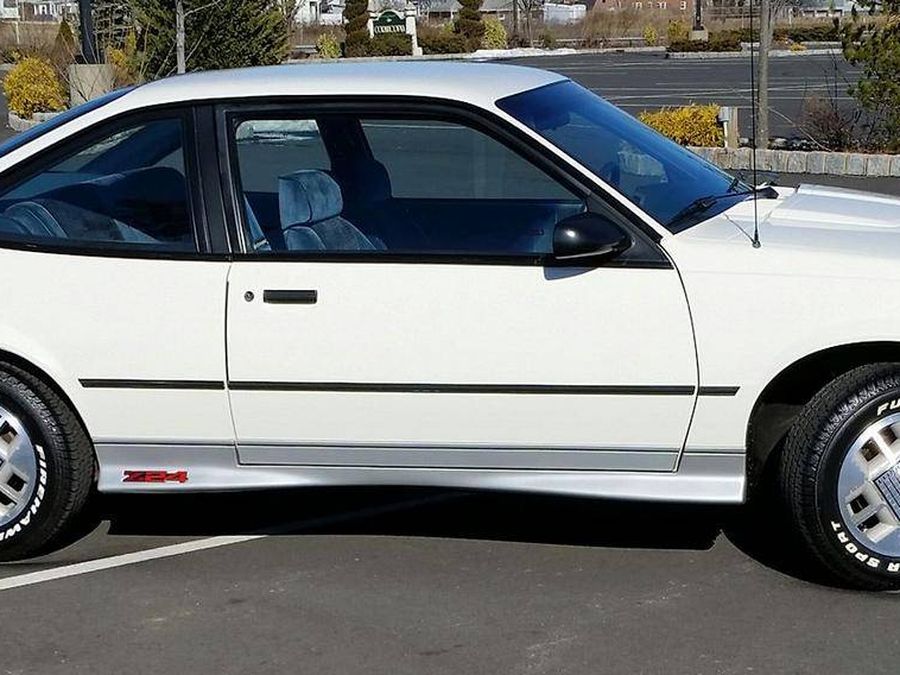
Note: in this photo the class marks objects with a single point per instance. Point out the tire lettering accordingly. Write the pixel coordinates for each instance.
(890, 405)
(39, 493)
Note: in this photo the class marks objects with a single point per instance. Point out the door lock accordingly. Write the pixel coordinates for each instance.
(248, 296)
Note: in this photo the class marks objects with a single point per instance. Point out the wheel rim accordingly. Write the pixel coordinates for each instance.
(869, 486)
(18, 467)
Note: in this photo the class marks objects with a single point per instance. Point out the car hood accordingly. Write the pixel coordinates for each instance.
(812, 219)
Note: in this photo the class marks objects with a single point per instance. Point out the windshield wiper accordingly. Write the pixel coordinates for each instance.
(702, 204)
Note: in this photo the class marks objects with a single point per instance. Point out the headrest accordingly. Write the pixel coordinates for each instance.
(307, 197)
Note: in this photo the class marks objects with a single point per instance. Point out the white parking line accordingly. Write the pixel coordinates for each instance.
(121, 560)
(136, 557)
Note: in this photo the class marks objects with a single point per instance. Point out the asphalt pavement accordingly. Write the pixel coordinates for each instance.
(420, 582)
(400, 581)
(642, 81)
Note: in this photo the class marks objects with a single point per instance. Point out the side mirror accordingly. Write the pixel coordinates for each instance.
(588, 238)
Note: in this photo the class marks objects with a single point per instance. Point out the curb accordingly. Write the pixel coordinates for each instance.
(487, 55)
(801, 161)
(775, 53)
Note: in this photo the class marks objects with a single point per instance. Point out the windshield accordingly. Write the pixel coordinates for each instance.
(660, 176)
(54, 122)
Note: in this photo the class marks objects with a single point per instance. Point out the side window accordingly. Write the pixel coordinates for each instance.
(443, 160)
(390, 185)
(126, 190)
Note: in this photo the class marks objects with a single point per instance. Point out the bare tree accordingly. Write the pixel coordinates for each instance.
(181, 35)
(529, 8)
(766, 31)
(181, 62)
(769, 11)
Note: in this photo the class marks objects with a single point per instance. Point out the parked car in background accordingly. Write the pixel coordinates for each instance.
(444, 274)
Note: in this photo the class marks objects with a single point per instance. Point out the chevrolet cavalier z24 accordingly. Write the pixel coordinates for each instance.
(436, 274)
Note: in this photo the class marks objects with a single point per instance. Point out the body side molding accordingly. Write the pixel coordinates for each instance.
(706, 478)
(415, 387)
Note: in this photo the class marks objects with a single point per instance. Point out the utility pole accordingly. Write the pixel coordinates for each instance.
(179, 37)
(86, 19)
(765, 44)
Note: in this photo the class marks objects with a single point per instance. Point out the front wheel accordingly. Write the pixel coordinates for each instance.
(840, 477)
(46, 467)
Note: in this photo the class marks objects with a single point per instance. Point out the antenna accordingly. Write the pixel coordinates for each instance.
(753, 113)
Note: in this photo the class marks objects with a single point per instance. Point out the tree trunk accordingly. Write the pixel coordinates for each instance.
(179, 37)
(765, 44)
(515, 19)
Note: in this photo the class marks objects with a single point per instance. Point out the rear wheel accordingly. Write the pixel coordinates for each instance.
(840, 476)
(46, 467)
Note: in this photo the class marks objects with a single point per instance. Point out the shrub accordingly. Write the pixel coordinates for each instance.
(126, 61)
(718, 42)
(33, 86)
(221, 34)
(391, 44)
(651, 37)
(442, 43)
(546, 40)
(875, 48)
(328, 47)
(64, 48)
(829, 124)
(10, 54)
(495, 36)
(356, 18)
(469, 23)
(815, 33)
(677, 31)
(689, 125)
(797, 47)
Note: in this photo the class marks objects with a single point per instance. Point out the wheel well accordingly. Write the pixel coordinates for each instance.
(29, 367)
(784, 397)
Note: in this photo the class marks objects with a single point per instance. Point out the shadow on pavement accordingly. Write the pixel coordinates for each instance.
(420, 513)
(759, 530)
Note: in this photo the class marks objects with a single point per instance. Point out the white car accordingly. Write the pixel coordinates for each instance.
(444, 274)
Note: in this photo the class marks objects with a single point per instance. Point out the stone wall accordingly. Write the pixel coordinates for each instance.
(796, 161)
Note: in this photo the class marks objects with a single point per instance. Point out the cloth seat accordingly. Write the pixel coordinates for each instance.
(310, 203)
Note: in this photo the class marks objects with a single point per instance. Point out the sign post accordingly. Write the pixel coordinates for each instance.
(392, 21)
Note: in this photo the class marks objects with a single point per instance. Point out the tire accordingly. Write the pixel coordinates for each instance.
(830, 455)
(48, 507)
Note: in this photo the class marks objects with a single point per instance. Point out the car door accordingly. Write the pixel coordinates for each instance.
(111, 285)
(393, 307)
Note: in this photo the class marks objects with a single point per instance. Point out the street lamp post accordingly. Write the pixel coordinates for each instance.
(698, 32)
(88, 46)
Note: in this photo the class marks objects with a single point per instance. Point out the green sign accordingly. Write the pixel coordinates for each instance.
(389, 21)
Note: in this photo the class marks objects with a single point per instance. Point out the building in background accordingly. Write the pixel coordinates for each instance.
(826, 8)
(38, 10)
(446, 10)
(560, 13)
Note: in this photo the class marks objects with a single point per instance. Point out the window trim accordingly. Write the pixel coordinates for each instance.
(28, 168)
(492, 125)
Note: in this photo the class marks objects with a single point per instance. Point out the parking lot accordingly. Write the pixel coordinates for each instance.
(636, 82)
(433, 581)
(402, 581)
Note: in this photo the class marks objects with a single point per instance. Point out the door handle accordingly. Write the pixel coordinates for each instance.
(291, 297)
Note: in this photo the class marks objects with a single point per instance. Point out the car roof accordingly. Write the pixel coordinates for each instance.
(470, 82)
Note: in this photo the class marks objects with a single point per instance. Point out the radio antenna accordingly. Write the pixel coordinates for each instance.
(753, 114)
